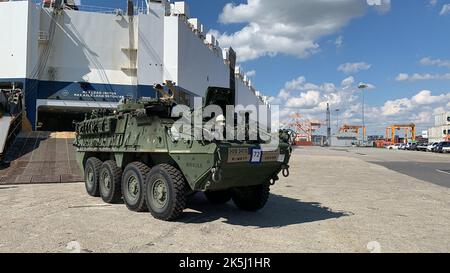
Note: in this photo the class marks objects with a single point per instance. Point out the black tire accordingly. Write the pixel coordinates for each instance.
(218, 197)
(166, 192)
(133, 186)
(251, 198)
(110, 181)
(91, 176)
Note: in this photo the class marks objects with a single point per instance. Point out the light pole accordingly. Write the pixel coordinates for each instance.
(337, 118)
(363, 86)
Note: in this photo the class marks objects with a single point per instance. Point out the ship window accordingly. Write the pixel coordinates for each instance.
(448, 119)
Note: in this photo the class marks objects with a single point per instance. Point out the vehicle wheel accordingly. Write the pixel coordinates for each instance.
(110, 182)
(91, 176)
(218, 197)
(251, 198)
(133, 186)
(166, 192)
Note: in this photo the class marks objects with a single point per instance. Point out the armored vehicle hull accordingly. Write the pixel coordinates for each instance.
(132, 155)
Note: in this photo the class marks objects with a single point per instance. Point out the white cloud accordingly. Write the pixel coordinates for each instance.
(348, 81)
(251, 73)
(402, 77)
(381, 5)
(440, 110)
(422, 77)
(432, 2)
(354, 67)
(395, 107)
(445, 9)
(306, 100)
(295, 84)
(339, 42)
(427, 61)
(424, 98)
(300, 85)
(419, 109)
(285, 26)
(310, 100)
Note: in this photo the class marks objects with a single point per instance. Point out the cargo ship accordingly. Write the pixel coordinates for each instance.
(68, 59)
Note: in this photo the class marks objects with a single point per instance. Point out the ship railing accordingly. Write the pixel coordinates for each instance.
(96, 9)
(137, 10)
(99, 9)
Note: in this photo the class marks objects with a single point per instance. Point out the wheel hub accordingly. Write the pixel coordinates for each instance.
(90, 176)
(106, 180)
(159, 193)
(133, 187)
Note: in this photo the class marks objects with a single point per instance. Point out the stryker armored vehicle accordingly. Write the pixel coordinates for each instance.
(132, 154)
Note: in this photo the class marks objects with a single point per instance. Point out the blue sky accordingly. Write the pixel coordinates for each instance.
(389, 41)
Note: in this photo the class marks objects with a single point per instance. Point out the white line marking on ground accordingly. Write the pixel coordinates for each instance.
(441, 171)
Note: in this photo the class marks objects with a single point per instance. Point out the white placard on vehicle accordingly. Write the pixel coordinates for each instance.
(256, 156)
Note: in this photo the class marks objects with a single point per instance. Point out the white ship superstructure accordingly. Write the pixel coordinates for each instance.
(69, 60)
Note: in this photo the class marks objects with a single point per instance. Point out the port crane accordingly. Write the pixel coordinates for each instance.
(410, 130)
(352, 129)
(304, 128)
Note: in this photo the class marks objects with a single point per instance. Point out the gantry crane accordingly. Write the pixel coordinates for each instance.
(352, 129)
(410, 129)
(304, 128)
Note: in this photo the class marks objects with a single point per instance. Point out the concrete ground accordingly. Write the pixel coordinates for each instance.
(336, 200)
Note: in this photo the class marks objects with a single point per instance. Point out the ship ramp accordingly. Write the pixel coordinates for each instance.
(41, 157)
(4, 130)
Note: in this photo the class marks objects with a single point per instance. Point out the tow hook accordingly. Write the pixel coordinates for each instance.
(285, 171)
(274, 180)
(216, 175)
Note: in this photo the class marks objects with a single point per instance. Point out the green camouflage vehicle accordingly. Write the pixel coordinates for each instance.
(131, 155)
